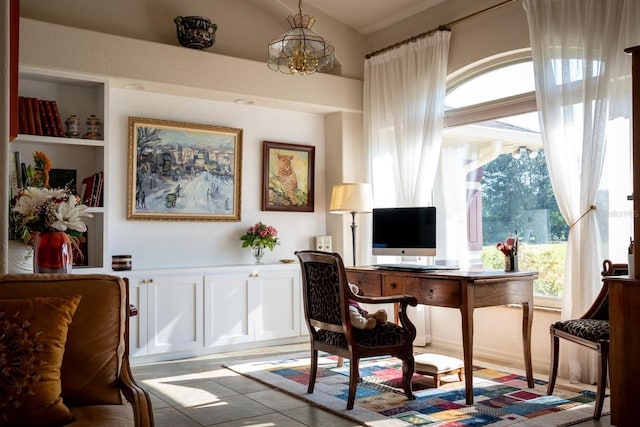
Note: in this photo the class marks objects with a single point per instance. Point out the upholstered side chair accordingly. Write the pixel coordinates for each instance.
(326, 296)
(591, 330)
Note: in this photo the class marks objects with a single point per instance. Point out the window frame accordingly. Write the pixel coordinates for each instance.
(492, 110)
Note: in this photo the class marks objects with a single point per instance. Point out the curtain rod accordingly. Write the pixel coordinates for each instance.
(446, 27)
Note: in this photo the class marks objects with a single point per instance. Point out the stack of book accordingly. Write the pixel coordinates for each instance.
(91, 190)
(39, 117)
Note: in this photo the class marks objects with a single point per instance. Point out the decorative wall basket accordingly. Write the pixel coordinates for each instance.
(195, 32)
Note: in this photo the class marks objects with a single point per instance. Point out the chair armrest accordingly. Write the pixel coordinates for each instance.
(137, 396)
(407, 299)
(402, 300)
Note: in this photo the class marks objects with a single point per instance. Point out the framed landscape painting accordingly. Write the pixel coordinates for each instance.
(183, 171)
(287, 177)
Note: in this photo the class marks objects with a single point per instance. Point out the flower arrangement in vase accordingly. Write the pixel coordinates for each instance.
(510, 250)
(258, 237)
(48, 219)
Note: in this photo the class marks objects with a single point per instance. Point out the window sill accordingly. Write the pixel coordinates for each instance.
(537, 308)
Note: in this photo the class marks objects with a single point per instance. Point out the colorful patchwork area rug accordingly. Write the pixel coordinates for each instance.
(500, 398)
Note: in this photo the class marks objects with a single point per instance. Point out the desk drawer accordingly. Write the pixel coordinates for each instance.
(435, 292)
(369, 283)
(397, 284)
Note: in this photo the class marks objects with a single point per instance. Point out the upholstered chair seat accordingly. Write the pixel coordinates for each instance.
(588, 329)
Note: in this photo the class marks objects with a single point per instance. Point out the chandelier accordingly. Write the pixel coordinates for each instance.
(300, 50)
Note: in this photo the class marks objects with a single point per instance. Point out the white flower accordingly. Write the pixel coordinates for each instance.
(69, 216)
(41, 210)
(34, 197)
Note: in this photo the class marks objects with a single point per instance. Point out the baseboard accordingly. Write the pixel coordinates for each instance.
(493, 355)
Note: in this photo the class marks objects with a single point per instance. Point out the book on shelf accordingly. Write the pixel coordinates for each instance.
(98, 196)
(17, 164)
(23, 173)
(51, 123)
(46, 127)
(56, 118)
(91, 190)
(14, 181)
(39, 117)
(35, 107)
(87, 189)
(31, 123)
(23, 127)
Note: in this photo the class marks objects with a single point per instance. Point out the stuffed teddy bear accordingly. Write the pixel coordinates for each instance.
(362, 319)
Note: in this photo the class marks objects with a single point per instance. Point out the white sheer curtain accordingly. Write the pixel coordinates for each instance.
(404, 92)
(577, 51)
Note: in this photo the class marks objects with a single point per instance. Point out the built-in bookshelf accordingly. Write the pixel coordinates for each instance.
(82, 96)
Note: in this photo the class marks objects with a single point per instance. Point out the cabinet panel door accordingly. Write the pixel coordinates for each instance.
(278, 314)
(138, 324)
(227, 306)
(175, 313)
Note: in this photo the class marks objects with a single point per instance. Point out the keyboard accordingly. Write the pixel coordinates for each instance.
(414, 267)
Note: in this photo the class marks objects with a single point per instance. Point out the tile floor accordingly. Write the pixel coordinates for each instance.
(201, 392)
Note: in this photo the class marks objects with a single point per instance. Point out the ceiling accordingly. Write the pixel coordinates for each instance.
(367, 16)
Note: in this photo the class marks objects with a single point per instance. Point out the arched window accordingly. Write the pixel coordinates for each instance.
(493, 181)
(493, 173)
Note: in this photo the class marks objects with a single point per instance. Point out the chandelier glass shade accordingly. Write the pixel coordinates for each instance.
(300, 50)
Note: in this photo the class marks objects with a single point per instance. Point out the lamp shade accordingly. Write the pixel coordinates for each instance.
(354, 197)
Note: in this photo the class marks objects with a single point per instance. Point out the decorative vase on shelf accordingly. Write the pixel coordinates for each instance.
(258, 253)
(20, 258)
(52, 253)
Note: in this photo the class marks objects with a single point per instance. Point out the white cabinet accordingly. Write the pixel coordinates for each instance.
(170, 313)
(195, 311)
(83, 96)
(228, 306)
(277, 314)
(251, 304)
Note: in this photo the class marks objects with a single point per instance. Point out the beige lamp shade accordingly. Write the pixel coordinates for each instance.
(351, 197)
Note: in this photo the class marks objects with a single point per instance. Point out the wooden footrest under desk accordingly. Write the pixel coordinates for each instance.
(438, 366)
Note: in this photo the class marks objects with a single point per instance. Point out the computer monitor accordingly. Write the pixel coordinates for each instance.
(404, 231)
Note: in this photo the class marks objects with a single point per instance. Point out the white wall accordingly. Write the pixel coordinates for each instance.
(156, 244)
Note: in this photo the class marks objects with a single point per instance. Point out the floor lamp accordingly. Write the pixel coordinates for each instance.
(351, 198)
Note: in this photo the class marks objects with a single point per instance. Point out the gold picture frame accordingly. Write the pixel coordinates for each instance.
(183, 171)
(287, 177)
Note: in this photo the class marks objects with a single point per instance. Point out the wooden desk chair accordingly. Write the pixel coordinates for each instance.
(326, 296)
(591, 331)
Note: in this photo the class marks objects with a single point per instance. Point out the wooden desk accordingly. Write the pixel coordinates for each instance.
(465, 290)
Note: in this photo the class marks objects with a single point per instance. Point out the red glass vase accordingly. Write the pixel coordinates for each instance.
(52, 253)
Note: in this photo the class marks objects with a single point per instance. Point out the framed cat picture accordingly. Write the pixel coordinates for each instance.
(287, 177)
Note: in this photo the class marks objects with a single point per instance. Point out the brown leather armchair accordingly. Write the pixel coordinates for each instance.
(326, 296)
(591, 330)
(90, 315)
